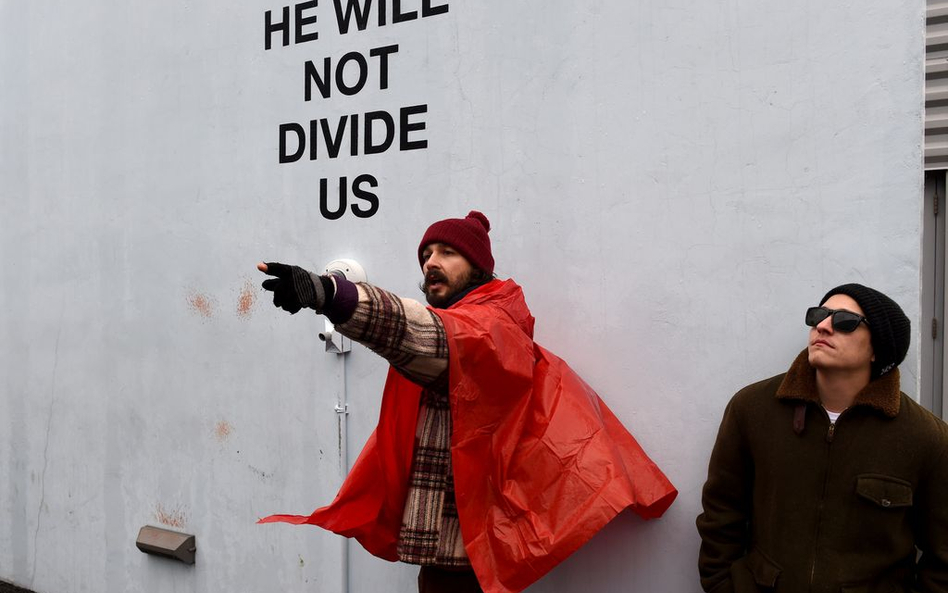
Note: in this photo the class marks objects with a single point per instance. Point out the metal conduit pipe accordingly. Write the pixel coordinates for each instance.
(338, 344)
(342, 413)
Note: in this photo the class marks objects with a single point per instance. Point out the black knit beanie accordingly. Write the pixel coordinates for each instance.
(889, 328)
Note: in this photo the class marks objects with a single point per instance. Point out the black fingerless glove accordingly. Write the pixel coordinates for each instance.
(295, 288)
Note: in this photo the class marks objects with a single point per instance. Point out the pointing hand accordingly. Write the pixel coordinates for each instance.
(293, 287)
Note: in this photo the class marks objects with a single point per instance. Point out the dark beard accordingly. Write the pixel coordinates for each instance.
(454, 288)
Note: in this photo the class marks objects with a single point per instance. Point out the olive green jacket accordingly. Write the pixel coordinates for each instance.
(794, 504)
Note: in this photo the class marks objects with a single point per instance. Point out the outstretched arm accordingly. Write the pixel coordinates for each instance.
(403, 331)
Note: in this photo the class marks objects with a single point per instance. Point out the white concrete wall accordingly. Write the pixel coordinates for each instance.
(672, 183)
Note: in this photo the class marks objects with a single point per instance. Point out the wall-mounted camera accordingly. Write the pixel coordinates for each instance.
(350, 270)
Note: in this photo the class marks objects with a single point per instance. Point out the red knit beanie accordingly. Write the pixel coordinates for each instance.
(468, 235)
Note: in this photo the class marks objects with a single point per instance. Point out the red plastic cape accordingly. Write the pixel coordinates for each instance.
(540, 463)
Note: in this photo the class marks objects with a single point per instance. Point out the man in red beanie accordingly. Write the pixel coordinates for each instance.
(492, 460)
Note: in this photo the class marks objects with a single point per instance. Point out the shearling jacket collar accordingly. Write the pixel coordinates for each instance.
(883, 393)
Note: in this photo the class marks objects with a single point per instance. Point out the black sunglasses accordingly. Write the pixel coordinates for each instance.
(843, 321)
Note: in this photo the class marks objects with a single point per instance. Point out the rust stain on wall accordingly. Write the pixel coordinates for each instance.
(246, 301)
(201, 304)
(172, 518)
(222, 430)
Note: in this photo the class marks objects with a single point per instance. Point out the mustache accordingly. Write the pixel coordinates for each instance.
(434, 276)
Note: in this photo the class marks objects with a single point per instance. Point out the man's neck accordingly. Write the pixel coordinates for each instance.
(463, 293)
(838, 389)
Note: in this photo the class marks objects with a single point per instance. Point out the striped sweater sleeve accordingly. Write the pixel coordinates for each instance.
(403, 331)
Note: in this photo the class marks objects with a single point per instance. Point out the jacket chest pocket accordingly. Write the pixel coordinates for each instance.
(881, 517)
(885, 492)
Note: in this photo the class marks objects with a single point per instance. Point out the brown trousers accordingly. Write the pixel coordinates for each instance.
(432, 579)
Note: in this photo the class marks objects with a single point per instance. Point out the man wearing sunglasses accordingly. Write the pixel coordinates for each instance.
(828, 478)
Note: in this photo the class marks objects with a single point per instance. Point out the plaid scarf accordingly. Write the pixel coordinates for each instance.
(412, 339)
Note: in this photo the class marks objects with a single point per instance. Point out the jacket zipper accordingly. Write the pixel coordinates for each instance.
(830, 435)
